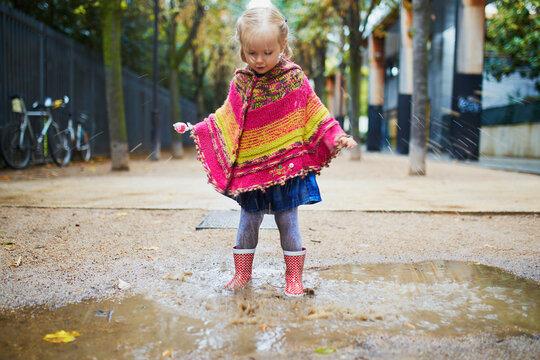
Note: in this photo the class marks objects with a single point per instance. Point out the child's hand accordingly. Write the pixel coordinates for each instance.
(347, 142)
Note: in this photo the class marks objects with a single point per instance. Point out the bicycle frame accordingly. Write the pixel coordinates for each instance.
(19, 142)
(75, 133)
(78, 137)
(26, 124)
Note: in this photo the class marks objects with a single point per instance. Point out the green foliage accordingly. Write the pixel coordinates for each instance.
(313, 24)
(216, 47)
(76, 18)
(364, 91)
(80, 20)
(513, 35)
(137, 36)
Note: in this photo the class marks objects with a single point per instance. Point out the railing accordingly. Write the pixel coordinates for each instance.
(39, 62)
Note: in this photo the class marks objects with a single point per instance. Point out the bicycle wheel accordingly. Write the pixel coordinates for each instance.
(58, 146)
(85, 151)
(15, 155)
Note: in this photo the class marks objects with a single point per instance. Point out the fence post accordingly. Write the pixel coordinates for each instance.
(42, 60)
(3, 97)
(36, 75)
(71, 76)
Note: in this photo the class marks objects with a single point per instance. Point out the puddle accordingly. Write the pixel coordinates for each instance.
(438, 297)
(435, 298)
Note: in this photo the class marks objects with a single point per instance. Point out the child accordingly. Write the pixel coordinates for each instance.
(264, 146)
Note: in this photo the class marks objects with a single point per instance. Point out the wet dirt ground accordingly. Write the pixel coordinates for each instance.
(431, 300)
(177, 274)
(395, 270)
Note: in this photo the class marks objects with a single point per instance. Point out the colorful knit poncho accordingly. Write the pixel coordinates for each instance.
(270, 129)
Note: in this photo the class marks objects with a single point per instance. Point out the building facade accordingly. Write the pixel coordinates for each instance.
(470, 113)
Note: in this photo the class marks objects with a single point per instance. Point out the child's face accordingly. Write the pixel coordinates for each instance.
(262, 52)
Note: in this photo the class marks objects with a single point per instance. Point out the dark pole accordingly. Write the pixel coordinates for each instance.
(156, 139)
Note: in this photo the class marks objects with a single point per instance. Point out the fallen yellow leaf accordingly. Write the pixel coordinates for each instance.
(410, 326)
(325, 350)
(61, 336)
(167, 353)
(178, 275)
(149, 248)
(121, 214)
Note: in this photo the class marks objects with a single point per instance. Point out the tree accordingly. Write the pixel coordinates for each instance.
(313, 21)
(137, 44)
(417, 151)
(355, 15)
(76, 18)
(221, 68)
(80, 20)
(200, 67)
(514, 34)
(212, 58)
(176, 54)
(111, 25)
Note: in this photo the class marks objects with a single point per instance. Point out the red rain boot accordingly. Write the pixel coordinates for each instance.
(243, 261)
(294, 261)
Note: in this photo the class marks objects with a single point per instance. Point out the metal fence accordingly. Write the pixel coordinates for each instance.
(37, 62)
(527, 112)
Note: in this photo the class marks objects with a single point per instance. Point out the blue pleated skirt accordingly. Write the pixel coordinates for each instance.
(295, 192)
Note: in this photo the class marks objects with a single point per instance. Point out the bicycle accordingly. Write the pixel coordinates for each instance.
(18, 140)
(78, 138)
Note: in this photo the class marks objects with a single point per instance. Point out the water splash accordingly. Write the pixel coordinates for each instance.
(136, 147)
(436, 298)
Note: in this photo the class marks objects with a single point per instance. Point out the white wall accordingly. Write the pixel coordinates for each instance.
(519, 140)
(498, 93)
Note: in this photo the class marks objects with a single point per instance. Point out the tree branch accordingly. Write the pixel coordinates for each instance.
(374, 3)
(188, 43)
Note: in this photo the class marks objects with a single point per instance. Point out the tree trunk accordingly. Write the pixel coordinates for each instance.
(156, 124)
(174, 96)
(220, 83)
(177, 146)
(174, 58)
(199, 69)
(320, 79)
(111, 15)
(417, 151)
(355, 72)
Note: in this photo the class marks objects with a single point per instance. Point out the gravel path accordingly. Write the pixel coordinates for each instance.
(72, 253)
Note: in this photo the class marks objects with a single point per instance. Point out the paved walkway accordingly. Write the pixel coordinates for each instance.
(531, 166)
(380, 182)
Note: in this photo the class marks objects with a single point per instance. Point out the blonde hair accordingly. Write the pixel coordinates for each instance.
(258, 19)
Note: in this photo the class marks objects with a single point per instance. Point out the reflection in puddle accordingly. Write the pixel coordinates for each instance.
(436, 298)
(138, 328)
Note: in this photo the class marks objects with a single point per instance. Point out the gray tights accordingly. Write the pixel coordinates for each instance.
(287, 222)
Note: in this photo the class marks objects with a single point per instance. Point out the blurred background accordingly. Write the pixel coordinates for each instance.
(483, 67)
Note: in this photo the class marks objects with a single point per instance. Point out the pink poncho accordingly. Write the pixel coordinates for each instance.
(270, 129)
